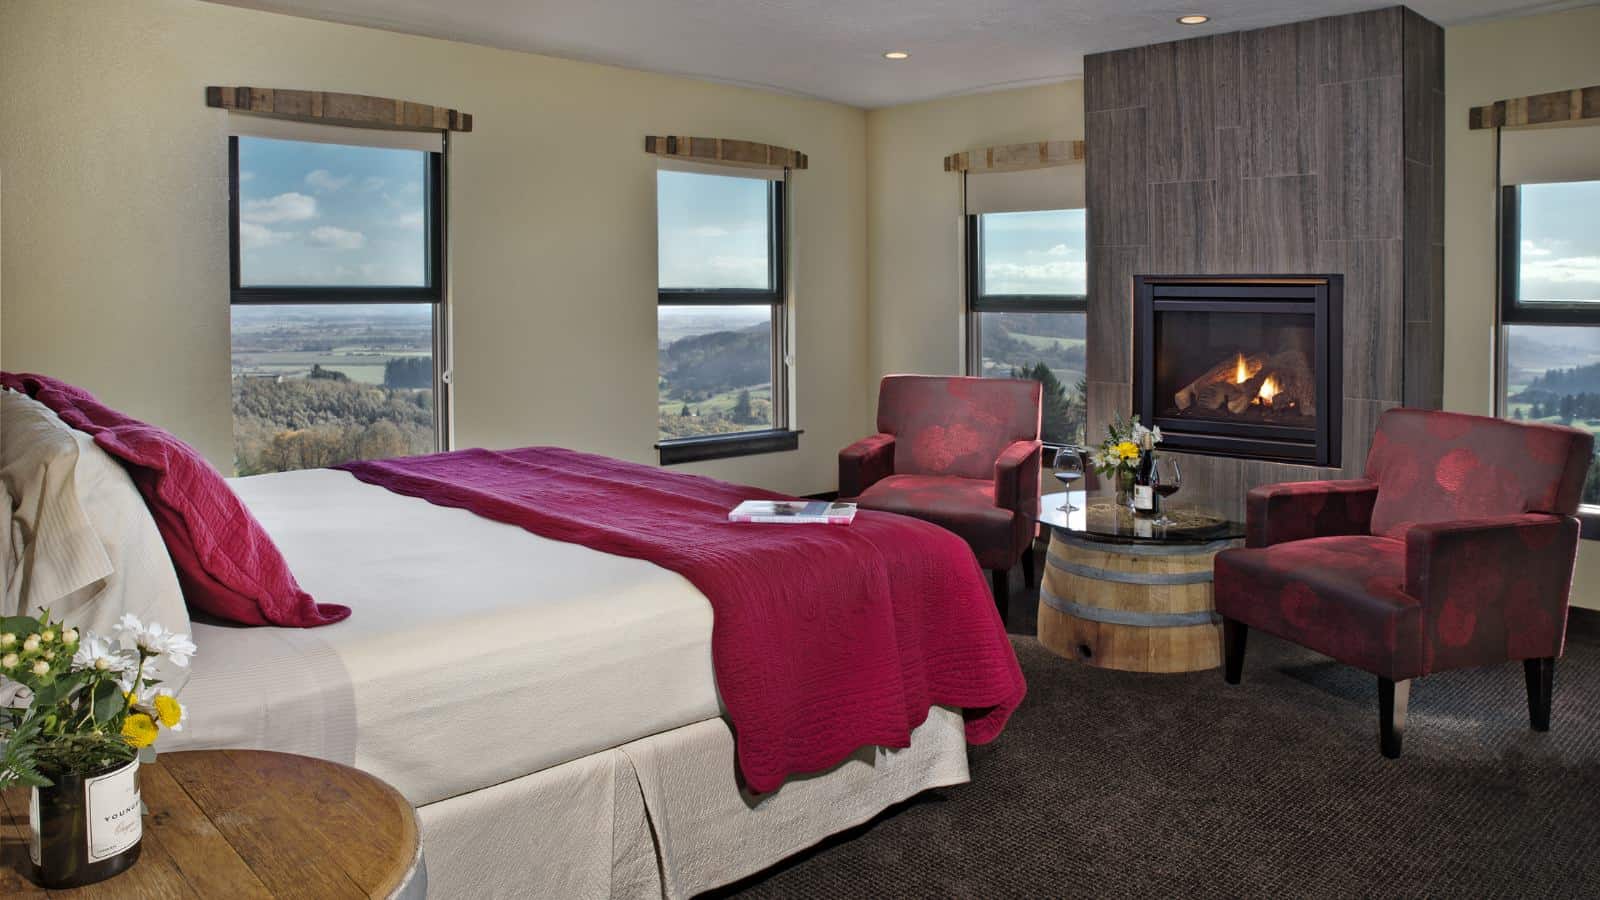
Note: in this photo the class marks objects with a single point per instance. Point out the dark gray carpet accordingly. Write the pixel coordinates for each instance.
(1108, 784)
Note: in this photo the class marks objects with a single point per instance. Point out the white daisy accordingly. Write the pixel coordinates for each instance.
(101, 655)
(155, 640)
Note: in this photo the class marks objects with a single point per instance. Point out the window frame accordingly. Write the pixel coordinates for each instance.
(779, 437)
(1512, 311)
(978, 302)
(434, 293)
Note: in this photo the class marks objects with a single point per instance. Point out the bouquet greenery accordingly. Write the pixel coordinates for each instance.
(81, 704)
(1125, 444)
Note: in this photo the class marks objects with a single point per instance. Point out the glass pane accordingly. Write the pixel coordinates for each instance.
(331, 215)
(1047, 347)
(320, 385)
(1238, 367)
(1033, 253)
(711, 231)
(1560, 250)
(715, 373)
(1553, 375)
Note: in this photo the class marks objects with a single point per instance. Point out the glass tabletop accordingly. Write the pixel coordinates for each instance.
(1099, 517)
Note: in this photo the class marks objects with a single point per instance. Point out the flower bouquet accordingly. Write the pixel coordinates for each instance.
(80, 709)
(1125, 447)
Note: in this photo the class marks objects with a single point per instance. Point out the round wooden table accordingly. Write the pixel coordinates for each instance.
(1123, 593)
(249, 823)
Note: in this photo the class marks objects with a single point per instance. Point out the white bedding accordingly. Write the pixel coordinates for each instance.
(476, 652)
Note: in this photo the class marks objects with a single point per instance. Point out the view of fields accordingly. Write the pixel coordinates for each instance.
(715, 370)
(1553, 375)
(1049, 348)
(320, 385)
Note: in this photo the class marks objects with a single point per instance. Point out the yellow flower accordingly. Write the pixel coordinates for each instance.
(168, 710)
(139, 730)
(1128, 450)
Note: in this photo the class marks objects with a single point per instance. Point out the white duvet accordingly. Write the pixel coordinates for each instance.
(475, 653)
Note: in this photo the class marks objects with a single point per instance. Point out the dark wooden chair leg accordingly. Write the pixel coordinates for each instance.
(1393, 698)
(1233, 641)
(1540, 675)
(1002, 591)
(1027, 565)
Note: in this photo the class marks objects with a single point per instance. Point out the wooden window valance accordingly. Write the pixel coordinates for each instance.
(1016, 157)
(725, 151)
(1576, 105)
(334, 108)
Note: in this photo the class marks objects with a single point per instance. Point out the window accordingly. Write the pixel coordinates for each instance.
(720, 319)
(1027, 308)
(337, 269)
(1550, 307)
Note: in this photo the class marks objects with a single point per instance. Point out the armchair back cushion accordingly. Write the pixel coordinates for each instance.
(1440, 467)
(956, 426)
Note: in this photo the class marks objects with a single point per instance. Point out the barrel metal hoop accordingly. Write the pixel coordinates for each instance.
(1125, 617)
(1147, 578)
(1077, 539)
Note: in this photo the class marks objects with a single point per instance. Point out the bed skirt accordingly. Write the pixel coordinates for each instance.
(663, 817)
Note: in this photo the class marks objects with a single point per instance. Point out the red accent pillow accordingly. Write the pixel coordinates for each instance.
(226, 562)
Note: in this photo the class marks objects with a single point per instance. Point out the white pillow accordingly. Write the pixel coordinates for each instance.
(122, 567)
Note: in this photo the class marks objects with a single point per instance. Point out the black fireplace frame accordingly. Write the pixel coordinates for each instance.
(1320, 295)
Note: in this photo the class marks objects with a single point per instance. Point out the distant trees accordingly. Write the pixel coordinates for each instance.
(1063, 413)
(325, 419)
(408, 372)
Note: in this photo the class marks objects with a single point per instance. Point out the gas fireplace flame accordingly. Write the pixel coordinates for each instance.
(1269, 389)
(1241, 370)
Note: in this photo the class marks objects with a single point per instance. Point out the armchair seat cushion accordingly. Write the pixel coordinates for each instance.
(1341, 596)
(962, 505)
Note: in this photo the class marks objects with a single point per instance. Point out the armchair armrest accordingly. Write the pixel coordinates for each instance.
(1296, 510)
(864, 463)
(1016, 478)
(1492, 589)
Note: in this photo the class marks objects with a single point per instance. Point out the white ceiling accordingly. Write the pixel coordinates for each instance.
(833, 49)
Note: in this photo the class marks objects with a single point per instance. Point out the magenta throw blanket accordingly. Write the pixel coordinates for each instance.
(825, 638)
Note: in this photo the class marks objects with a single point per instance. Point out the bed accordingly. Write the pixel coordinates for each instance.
(551, 710)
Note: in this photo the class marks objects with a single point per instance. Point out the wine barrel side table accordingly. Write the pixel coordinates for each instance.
(246, 824)
(1121, 597)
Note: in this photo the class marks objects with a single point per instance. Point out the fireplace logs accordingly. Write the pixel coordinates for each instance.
(1256, 385)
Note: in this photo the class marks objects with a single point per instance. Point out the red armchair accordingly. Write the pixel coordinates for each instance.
(963, 453)
(1455, 550)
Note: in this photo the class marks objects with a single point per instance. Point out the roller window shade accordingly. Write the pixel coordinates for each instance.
(246, 125)
(1545, 155)
(725, 169)
(1056, 187)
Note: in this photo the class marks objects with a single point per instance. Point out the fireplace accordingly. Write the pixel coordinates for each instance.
(1241, 366)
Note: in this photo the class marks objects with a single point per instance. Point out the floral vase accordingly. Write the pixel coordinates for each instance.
(86, 828)
(1124, 490)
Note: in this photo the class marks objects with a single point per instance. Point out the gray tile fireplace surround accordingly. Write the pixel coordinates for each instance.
(1311, 148)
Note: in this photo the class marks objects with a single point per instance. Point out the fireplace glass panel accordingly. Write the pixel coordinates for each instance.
(1243, 368)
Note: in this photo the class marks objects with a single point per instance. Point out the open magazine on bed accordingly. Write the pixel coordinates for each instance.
(794, 512)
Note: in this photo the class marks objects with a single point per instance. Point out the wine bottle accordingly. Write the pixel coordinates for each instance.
(1146, 504)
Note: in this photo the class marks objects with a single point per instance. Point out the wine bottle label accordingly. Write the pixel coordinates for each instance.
(112, 807)
(33, 827)
(1144, 497)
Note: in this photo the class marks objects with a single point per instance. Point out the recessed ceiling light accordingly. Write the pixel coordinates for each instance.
(1193, 20)
(897, 54)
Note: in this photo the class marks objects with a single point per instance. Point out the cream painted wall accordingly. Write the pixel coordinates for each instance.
(115, 222)
(1484, 63)
(914, 214)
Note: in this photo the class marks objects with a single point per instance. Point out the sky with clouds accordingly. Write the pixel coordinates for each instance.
(1034, 252)
(331, 214)
(1560, 257)
(712, 231)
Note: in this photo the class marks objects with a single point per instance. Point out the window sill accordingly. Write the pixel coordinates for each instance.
(723, 446)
